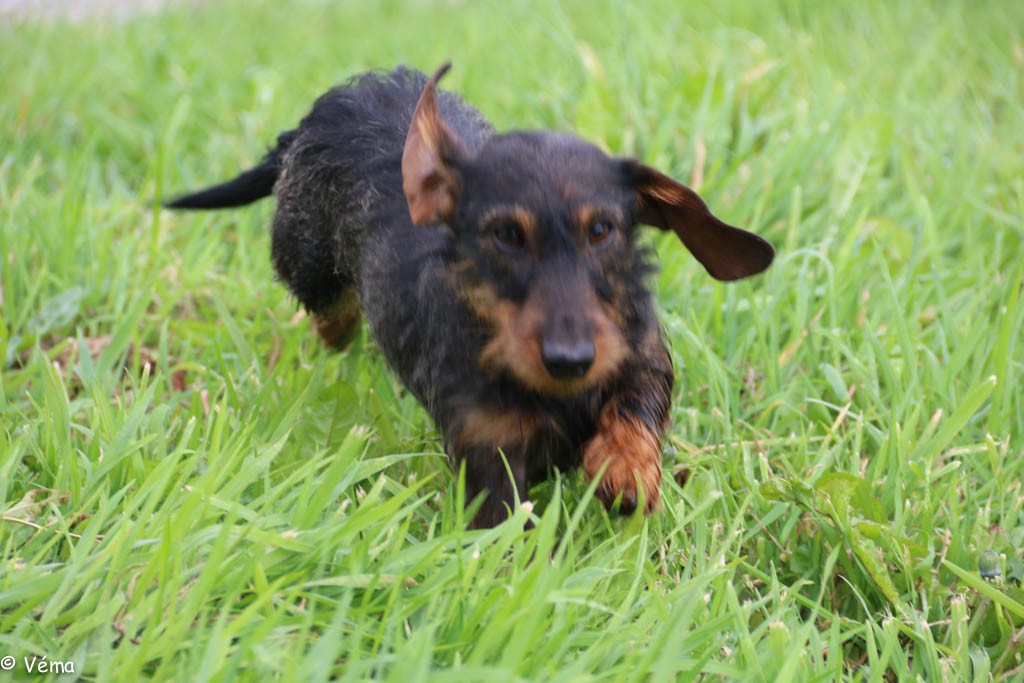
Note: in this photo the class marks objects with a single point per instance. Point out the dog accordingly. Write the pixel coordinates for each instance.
(498, 272)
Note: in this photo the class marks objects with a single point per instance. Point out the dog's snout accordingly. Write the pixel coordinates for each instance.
(567, 360)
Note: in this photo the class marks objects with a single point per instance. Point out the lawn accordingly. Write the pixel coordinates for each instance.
(193, 489)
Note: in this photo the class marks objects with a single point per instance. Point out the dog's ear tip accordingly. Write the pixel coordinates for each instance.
(441, 71)
(759, 265)
(753, 260)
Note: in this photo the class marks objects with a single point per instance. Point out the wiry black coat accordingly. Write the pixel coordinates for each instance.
(468, 319)
(342, 222)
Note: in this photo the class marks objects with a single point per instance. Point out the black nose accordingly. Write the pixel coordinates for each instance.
(566, 360)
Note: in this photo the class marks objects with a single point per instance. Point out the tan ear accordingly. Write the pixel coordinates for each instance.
(432, 149)
(726, 252)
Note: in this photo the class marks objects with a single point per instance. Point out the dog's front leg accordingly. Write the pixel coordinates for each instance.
(493, 446)
(627, 443)
(486, 473)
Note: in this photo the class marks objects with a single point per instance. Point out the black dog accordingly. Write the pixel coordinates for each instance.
(499, 275)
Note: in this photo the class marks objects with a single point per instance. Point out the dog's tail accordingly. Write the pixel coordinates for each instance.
(247, 187)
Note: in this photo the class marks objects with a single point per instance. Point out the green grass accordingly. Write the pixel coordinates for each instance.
(193, 489)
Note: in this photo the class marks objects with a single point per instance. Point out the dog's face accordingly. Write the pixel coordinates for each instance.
(545, 225)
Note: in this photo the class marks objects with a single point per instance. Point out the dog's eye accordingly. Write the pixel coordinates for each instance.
(600, 231)
(508, 234)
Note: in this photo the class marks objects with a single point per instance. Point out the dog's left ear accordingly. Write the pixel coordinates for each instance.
(430, 159)
(726, 252)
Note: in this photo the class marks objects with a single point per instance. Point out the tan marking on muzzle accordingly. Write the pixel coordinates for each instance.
(515, 347)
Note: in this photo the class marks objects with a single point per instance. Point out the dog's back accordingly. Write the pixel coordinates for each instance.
(341, 177)
(337, 179)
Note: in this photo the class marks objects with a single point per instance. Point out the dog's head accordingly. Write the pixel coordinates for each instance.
(546, 225)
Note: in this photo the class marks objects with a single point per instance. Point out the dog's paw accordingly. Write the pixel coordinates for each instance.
(633, 454)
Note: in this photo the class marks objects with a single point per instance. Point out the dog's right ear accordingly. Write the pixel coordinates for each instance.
(726, 252)
(430, 160)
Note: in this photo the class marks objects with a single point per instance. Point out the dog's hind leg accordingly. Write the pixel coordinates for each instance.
(337, 324)
(304, 248)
